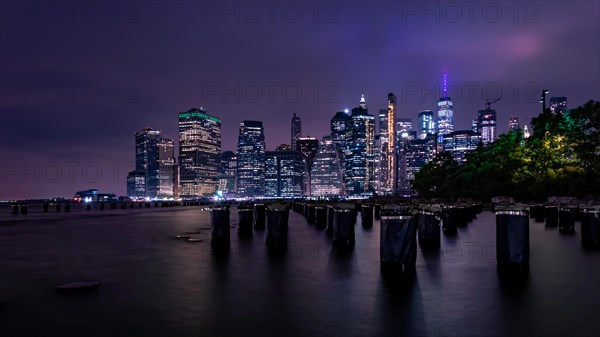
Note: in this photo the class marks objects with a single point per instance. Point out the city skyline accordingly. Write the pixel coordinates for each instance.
(63, 113)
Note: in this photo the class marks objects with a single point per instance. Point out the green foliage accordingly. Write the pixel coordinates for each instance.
(562, 157)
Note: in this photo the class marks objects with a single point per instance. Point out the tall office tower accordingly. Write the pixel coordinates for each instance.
(251, 159)
(459, 143)
(339, 129)
(381, 138)
(387, 171)
(326, 174)
(284, 174)
(426, 124)
(392, 159)
(176, 169)
(513, 123)
(199, 153)
(486, 125)
(296, 130)
(558, 105)
(359, 155)
(414, 154)
(445, 120)
(146, 159)
(136, 184)
(474, 125)
(227, 181)
(403, 128)
(307, 147)
(339, 133)
(166, 168)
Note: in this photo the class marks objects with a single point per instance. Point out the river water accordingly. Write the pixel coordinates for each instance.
(155, 285)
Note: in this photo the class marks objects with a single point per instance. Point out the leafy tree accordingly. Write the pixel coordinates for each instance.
(562, 157)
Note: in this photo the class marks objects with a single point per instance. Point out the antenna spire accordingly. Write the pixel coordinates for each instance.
(445, 84)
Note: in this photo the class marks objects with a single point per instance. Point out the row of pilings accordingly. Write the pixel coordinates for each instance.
(272, 217)
(23, 207)
(403, 225)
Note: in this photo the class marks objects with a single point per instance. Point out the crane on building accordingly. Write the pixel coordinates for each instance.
(488, 103)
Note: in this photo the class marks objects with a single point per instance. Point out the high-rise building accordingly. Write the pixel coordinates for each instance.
(227, 179)
(558, 105)
(251, 159)
(136, 184)
(513, 123)
(166, 168)
(413, 155)
(486, 125)
(307, 147)
(403, 127)
(381, 139)
(445, 120)
(199, 153)
(459, 143)
(474, 125)
(359, 155)
(426, 124)
(340, 128)
(387, 162)
(284, 174)
(146, 159)
(296, 130)
(326, 174)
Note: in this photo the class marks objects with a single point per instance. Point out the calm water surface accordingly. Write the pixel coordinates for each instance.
(154, 285)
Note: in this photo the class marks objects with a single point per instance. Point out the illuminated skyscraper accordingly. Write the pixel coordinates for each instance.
(414, 154)
(284, 174)
(326, 175)
(403, 128)
(387, 162)
(136, 184)
(340, 128)
(251, 159)
(359, 155)
(307, 147)
(426, 124)
(199, 153)
(445, 120)
(459, 143)
(146, 159)
(166, 168)
(227, 178)
(296, 130)
(486, 125)
(558, 105)
(513, 124)
(381, 138)
(474, 125)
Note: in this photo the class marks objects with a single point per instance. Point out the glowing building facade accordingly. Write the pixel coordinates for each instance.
(326, 174)
(251, 160)
(199, 153)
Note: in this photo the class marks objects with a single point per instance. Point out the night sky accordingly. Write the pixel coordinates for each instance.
(78, 80)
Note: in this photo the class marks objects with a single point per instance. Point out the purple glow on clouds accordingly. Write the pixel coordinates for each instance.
(101, 82)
